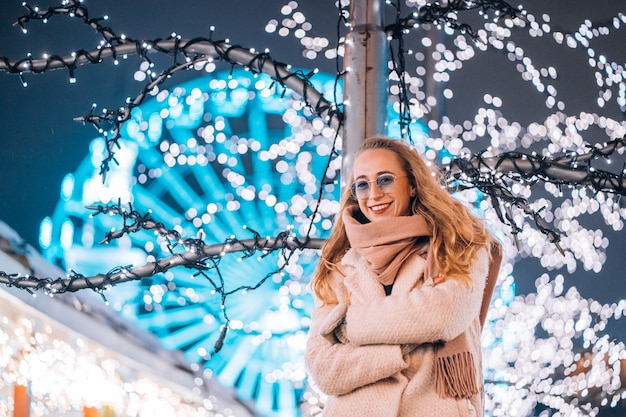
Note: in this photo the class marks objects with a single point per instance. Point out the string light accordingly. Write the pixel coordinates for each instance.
(114, 45)
(197, 255)
(64, 372)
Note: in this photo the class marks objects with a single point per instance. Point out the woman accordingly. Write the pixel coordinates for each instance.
(402, 289)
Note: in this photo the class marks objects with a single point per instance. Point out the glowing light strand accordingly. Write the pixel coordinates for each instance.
(609, 74)
(488, 174)
(399, 68)
(446, 14)
(575, 370)
(195, 255)
(193, 50)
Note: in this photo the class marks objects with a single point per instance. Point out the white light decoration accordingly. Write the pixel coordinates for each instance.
(525, 370)
(65, 372)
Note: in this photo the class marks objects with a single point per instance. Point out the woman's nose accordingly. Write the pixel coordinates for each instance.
(375, 191)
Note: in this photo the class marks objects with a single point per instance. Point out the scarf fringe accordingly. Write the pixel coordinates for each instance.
(455, 376)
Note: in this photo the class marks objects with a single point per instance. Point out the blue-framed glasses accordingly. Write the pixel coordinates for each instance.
(385, 183)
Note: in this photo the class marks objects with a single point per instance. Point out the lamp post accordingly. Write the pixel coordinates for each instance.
(365, 79)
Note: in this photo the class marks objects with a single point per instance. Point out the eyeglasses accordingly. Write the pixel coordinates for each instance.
(385, 183)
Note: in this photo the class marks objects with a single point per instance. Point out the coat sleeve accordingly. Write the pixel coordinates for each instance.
(339, 368)
(425, 314)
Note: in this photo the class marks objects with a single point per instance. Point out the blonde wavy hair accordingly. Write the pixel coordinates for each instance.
(457, 235)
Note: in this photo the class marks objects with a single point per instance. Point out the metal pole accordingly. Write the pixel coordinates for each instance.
(365, 79)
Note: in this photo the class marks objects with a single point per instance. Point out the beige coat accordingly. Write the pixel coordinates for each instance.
(386, 367)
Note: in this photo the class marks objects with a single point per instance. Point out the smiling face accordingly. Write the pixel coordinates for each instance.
(368, 166)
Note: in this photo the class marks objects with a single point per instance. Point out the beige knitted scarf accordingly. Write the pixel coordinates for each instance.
(385, 244)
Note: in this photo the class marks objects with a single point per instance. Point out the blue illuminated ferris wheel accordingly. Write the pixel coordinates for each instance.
(206, 158)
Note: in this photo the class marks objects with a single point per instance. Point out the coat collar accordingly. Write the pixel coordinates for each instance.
(363, 283)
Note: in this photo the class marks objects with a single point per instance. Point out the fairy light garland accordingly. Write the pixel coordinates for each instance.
(432, 13)
(65, 372)
(446, 14)
(574, 370)
(488, 174)
(192, 51)
(194, 255)
(609, 75)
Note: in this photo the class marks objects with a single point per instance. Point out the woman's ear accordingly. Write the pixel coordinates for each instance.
(412, 192)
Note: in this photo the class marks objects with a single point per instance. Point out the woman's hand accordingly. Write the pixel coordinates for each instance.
(341, 333)
(335, 320)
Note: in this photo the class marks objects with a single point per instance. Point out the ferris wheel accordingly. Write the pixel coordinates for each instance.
(222, 155)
